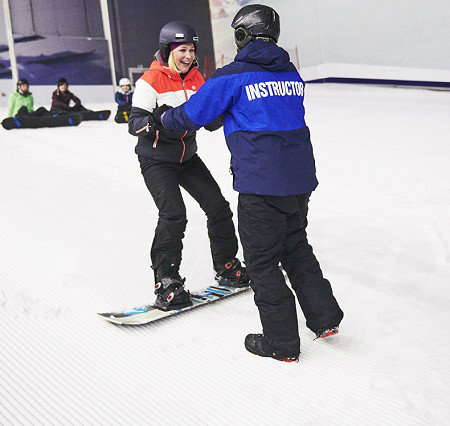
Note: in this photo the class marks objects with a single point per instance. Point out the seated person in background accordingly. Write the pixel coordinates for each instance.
(62, 96)
(123, 98)
(21, 102)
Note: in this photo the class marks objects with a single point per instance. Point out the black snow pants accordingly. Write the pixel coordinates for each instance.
(163, 180)
(273, 231)
(123, 113)
(40, 112)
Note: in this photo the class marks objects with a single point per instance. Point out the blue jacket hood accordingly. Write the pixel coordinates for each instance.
(266, 54)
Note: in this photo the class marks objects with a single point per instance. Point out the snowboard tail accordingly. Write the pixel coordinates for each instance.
(149, 313)
(95, 115)
(29, 122)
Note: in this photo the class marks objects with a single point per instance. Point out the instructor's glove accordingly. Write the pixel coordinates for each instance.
(154, 120)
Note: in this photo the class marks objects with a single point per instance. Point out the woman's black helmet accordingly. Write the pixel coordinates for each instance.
(175, 32)
(255, 20)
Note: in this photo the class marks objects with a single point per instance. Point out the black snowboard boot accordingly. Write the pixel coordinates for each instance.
(169, 290)
(257, 345)
(232, 274)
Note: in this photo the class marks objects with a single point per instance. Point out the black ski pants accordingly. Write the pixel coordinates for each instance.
(40, 112)
(164, 180)
(273, 231)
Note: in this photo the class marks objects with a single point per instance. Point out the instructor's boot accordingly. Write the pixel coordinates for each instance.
(232, 274)
(323, 334)
(256, 344)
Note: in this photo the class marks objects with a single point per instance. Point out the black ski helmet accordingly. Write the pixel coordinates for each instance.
(176, 32)
(22, 81)
(255, 20)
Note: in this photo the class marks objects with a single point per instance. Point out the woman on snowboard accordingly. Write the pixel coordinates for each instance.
(168, 161)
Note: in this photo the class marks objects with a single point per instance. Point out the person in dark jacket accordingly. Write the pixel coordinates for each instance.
(169, 161)
(62, 97)
(260, 95)
(123, 98)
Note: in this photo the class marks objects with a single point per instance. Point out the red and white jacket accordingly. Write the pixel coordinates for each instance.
(156, 87)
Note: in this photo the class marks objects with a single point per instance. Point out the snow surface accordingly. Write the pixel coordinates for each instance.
(76, 224)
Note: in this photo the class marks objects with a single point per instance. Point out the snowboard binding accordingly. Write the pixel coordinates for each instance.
(232, 274)
(170, 294)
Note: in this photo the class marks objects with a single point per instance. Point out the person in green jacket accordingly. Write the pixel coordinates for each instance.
(21, 102)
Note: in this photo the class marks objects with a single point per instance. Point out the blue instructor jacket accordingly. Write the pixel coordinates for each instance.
(260, 95)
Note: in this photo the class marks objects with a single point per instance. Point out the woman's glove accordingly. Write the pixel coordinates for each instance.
(154, 119)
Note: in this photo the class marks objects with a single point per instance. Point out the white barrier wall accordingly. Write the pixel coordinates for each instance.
(401, 39)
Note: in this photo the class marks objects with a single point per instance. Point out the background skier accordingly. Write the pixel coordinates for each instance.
(21, 102)
(62, 97)
(169, 160)
(261, 97)
(123, 98)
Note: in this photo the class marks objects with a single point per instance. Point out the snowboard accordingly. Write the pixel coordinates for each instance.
(29, 122)
(95, 115)
(145, 314)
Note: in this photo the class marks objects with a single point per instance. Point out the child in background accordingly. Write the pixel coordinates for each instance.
(123, 98)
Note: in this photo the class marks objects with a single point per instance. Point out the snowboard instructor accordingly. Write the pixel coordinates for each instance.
(169, 160)
(260, 95)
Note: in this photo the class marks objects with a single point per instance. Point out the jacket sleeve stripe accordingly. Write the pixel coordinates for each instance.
(145, 96)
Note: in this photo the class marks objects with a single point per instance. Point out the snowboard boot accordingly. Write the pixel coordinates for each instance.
(232, 274)
(169, 290)
(323, 334)
(256, 344)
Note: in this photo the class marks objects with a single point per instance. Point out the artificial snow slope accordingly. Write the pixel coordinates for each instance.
(76, 224)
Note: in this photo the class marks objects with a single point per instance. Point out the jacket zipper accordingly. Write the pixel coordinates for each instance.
(156, 139)
(184, 88)
(185, 133)
(184, 146)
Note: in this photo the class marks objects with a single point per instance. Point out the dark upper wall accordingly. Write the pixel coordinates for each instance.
(136, 25)
(55, 38)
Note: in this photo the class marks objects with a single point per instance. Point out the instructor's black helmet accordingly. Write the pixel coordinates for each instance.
(176, 32)
(255, 20)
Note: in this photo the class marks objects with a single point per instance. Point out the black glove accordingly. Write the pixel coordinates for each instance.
(215, 125)
(154, 120)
